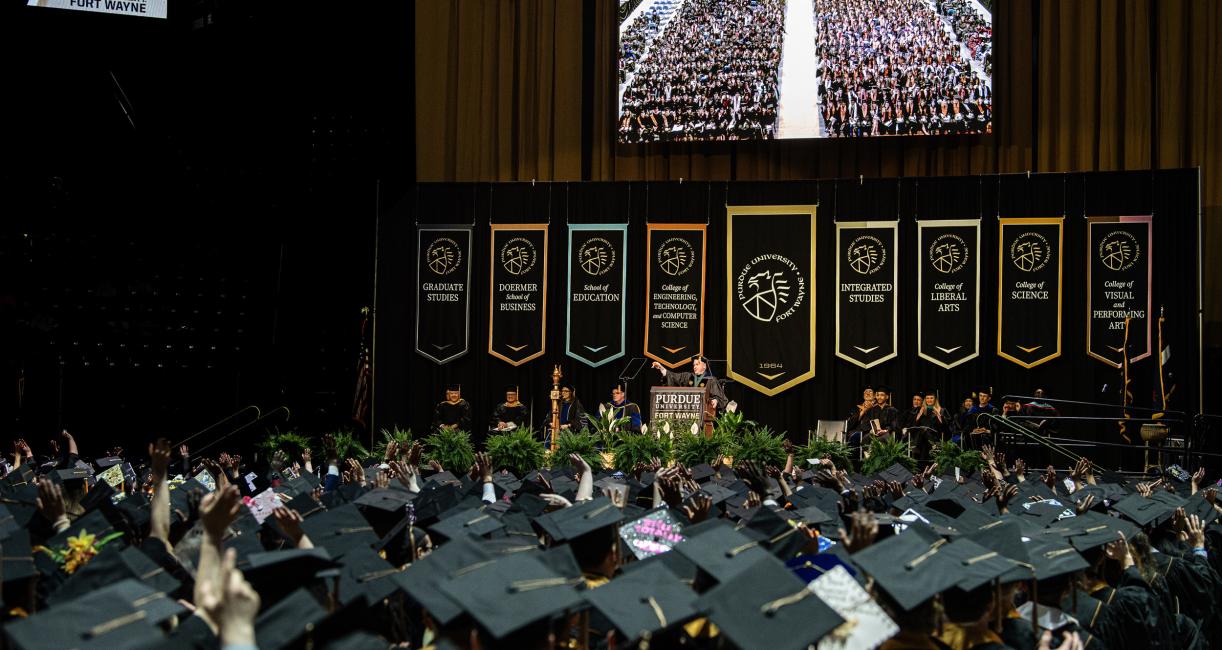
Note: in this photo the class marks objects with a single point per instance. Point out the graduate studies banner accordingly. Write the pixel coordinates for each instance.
(674, 309)
(443, 281)
(597, 271)
(867, 273)
(948, 291)
(1118, 274)
(517, 302)
(1029, 290)
(770, 277)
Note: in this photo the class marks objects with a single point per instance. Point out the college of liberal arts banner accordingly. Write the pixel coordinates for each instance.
(948, 291)
(1029, 290)
(866, 278)
(597, 271)
(443, 280)
(1118, 287)
(770, 277)
(517, 301)
(674, 308)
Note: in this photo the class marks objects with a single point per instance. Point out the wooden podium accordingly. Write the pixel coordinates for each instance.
(682, 403)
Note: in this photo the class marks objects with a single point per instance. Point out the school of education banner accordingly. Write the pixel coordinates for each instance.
(1118, 271)
(867, 273)
(948, 291)
(597, 271)
(443, 281)
(674, 308)
(517, 301)
(1029, 290)
(770, 279)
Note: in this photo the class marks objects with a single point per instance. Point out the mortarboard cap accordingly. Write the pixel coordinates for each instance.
(1052, 559)
(1092, 530)
(113, 616)
(1006, 538)
(512, 593)
(570, 523)
(1143, 511)
(722, 552)
(908, 567)
(473, 521)
(77, 473)
(422, 578)
(366, 574)
(285, 623)
(644, 602)
(339, 530)
(453, 387)
(973, 564)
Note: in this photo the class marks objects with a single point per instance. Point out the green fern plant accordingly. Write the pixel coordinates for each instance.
(839, 452)
(760, 444)
(452, 448)
(694, 449)
(582, 443)
(731, 424)
(347, 446)
(631, 449)
(401, 437)
(519, 450)
(949, 455)
(291, 442)
(885, 452)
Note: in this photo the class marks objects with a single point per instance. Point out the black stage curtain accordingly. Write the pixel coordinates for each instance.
(408, 385)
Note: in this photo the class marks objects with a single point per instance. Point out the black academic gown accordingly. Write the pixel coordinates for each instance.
(456, 414)
(506, 413)
(703, 381)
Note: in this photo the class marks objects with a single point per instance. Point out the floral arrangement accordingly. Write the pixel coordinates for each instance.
(79, 551)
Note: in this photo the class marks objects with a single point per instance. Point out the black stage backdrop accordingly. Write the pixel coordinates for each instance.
(407, 385)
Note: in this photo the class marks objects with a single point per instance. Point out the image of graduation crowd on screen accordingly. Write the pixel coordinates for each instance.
(318, 542)
(701, 70)
(895, 67)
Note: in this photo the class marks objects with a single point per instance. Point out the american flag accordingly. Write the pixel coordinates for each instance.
(364, 373)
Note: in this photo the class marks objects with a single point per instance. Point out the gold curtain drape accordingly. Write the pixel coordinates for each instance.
(1082, 85)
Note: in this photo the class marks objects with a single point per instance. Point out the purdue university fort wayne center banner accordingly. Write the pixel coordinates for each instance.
(1029, 290)
(443, 280)
(674, 309)
(597, 273)
(948, 291)
(517, 302)
(866, 275)
(1118, 274)
(770, 277)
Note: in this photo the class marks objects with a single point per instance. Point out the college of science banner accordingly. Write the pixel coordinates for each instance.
(1118, 287)
(674, 309)
(443, 281)
(770, 276)
(866, 277)
(1029, 290)
(517, 301)
(948, 291)
(597, 269)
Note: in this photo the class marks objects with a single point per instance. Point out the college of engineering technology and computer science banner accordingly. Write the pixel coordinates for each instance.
(867, 273)
(443, 282)
(770, 279)
(517, 300)
(597, 272)
(674, 308)
(1118, 272)
(948, 291)
(1029, 289)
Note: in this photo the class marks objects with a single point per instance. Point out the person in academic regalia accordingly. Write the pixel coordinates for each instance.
(454, 412)
(621, 407)
(858, 411)
(509, 414)
(700, 376)
(933, 424)
(977, 431)
(572, 413)
(909, 416)
(879, 420)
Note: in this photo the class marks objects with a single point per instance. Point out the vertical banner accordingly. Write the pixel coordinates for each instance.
(443, 281)
(948, 291)
(597, 272)
(866, 276)
(1029, 290)
(1118, 270)
(517, 301)
(674, 277)
(770, 311)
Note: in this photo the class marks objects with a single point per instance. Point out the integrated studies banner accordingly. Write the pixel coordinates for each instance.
(867, 274)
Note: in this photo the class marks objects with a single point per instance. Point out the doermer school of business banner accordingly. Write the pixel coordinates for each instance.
(517, 301)
(674, 308)
(867, 273)
(443, 282)
(1118, 274)
(597, 273)
(948, 291)
(1029, 290)
(770, 309)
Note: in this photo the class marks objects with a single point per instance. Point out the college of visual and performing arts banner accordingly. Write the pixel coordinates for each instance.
(517, 302)
(1118, 287)
(948, 291)
(866, 277)
(674, 309)
(443, 281)
(1029, 290)
(597, 275)
(770, 279)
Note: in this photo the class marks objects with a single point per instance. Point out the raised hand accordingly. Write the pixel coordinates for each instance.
(290, 521)
(415, 453)
(1001, 463)
(382, 480)
(483, 463)
(1195, 530)
(863, 529)
(1198, 477)
(159, 453)
(1020, 468)
(50, 502)
(986, 452)
(184, 451)
(1085, 504)
(1005, 494)
(672, 494)
(698, 507)
(358, 472)
(231, 603)
(218, 510)
(1050, 478)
